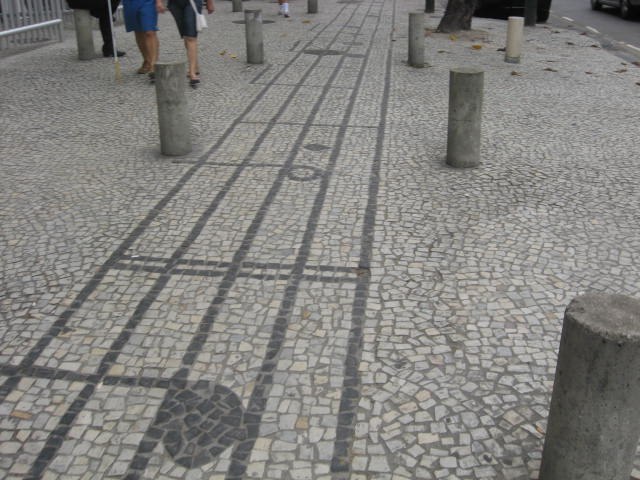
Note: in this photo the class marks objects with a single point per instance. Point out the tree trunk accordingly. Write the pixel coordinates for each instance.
(457, 16)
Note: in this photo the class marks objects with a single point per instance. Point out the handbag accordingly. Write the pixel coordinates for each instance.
(201, 21)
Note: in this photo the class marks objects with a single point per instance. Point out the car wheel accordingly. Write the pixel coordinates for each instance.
(596, 5)
(625, 9)
(542, 15)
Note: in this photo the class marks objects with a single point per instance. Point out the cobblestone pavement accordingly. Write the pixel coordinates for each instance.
(311, 293)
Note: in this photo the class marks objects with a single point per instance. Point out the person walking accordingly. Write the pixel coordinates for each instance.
(100, 10)
(141, 17)
(185, 17)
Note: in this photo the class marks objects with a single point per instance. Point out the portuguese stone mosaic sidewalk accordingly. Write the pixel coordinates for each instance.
(312, 293)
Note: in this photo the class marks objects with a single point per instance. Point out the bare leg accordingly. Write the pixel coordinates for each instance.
(142, 46)
(191, 44)
(152, 46)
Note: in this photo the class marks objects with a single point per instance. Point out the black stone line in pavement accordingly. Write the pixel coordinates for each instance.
(220, 273)
(351, 391)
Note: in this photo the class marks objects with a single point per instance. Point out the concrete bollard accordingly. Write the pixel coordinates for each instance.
(83, 23)
(466, 87)
(312, 6)
(255, 45)
(514, 40)
(429, 6)
(594, 419)
(173, 115)
(236, 5)
(530, 13)
(416, 39)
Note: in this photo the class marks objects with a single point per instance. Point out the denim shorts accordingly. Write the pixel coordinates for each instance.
(184, 16)
(140, 15)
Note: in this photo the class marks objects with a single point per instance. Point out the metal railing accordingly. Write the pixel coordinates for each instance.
(28, 22)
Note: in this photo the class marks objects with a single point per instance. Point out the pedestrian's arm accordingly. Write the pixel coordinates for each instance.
(160, 6)
(211, 6)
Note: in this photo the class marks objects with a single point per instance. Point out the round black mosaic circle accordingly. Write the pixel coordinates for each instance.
(199, 423)
(316, 147)
(304, 174)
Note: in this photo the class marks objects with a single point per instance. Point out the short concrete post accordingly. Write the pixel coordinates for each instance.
(429, 6)
(173, 115)
(466, 87)
(594, 420)
(255, 45)
(416, 39)
(530, 13)
(514, 40)
(236, 5)
(312, 6)
(83, 23)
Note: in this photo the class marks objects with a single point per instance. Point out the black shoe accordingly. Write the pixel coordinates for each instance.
(110, 53)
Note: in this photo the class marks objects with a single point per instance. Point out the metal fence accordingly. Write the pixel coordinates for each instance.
(27, 22)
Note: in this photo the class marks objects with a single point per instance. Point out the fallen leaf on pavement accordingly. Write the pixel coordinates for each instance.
(516, 74)
(501, 50)
(306, 21)
(223, 52)
(570, 43)
(21, 415)
(476, 47)
(637, 64)
(453, 37)
(622, 70)
(549, 69)
(595, 46)
(589, 73)
(233, 56)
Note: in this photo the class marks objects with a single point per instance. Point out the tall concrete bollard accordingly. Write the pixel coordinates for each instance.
(312, 6)
(416, 39)
(83, 23)
(173, 115)
(466, 87)
(236, 5)
(429, 6)
(594, 420)
(530, 13)
(255, 45)
(514, 40)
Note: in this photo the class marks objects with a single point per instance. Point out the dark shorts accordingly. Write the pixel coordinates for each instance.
(184, 16)
(140, 15)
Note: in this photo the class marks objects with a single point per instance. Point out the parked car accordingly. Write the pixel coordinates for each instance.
(515, 8)
(627, 7)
